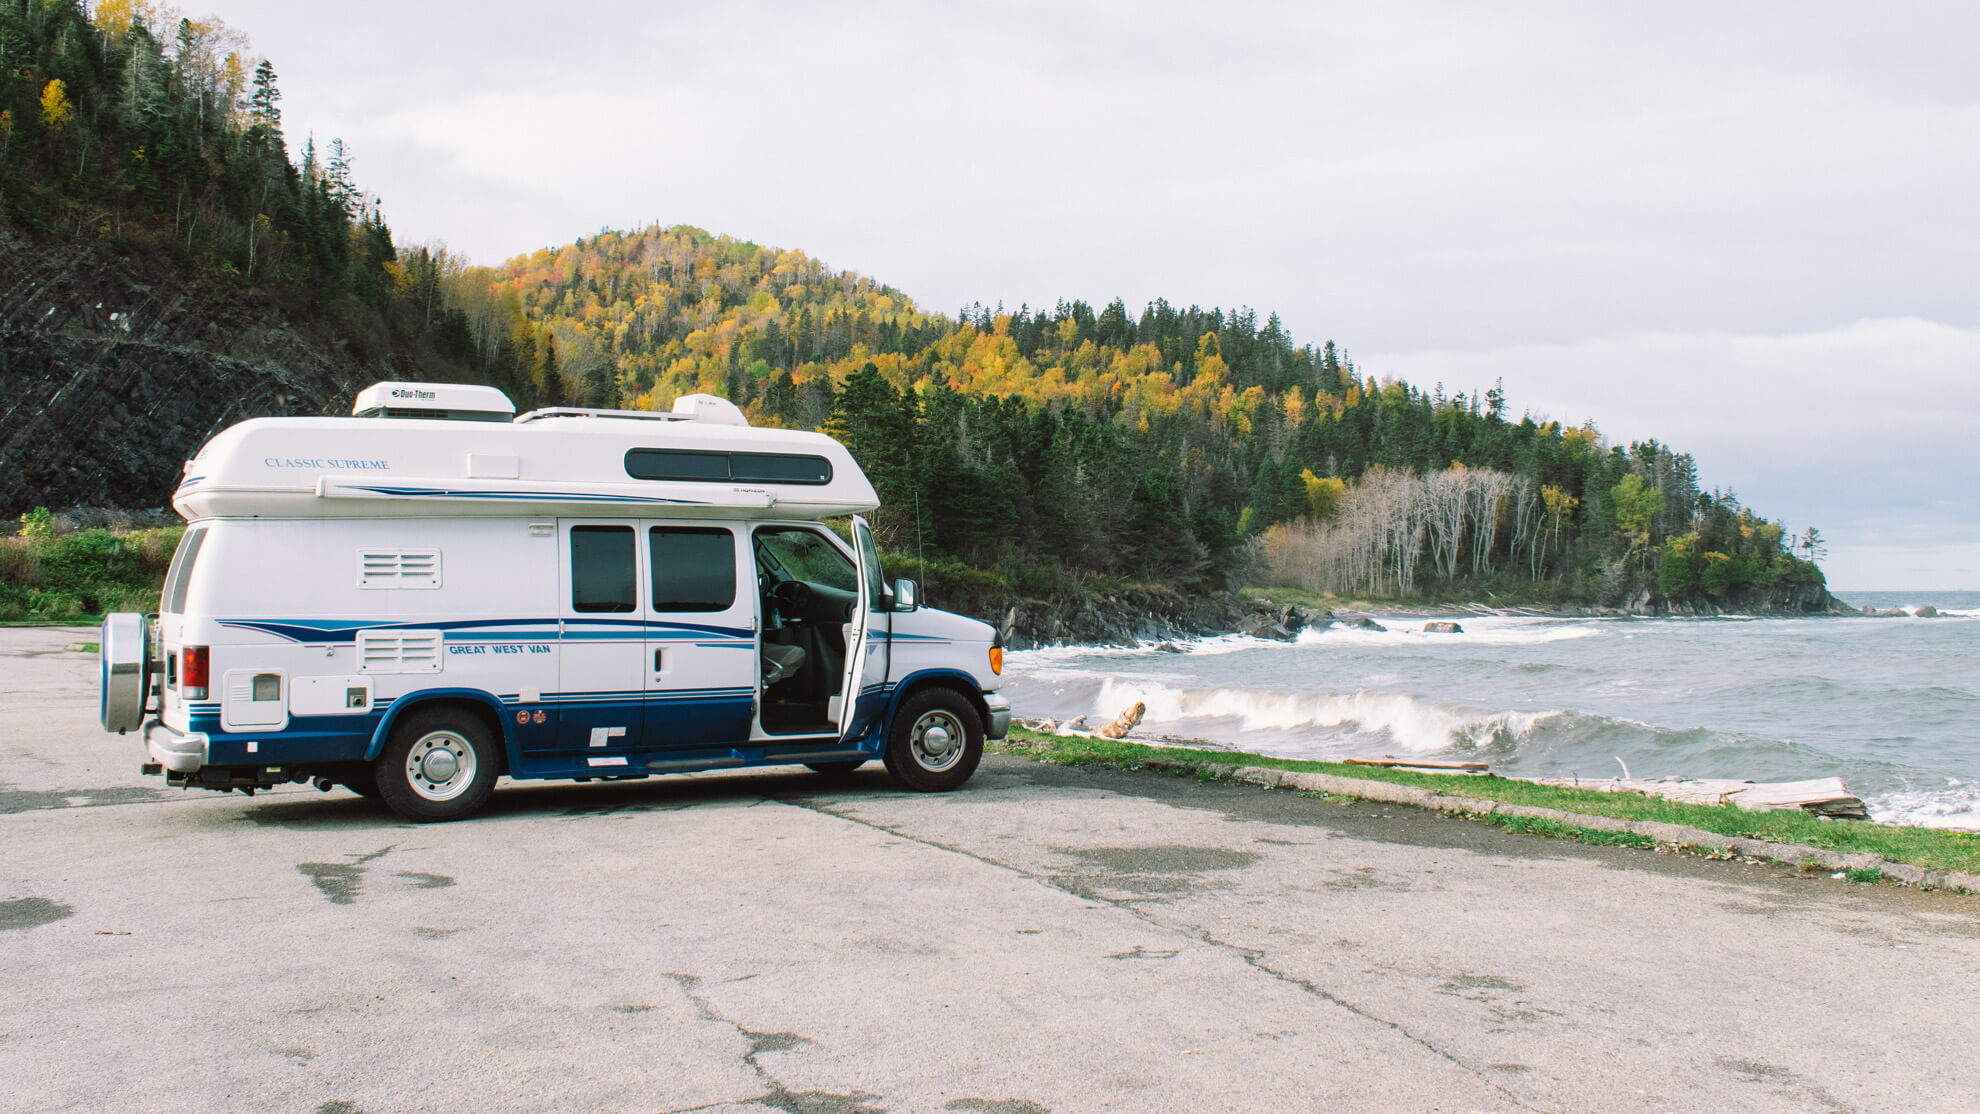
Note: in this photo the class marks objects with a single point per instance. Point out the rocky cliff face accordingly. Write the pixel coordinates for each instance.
(108, 423)
(114, 369)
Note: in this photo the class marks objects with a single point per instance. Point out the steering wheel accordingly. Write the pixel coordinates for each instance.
(792, 597)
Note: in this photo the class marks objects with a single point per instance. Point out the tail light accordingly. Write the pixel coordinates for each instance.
(193, 673)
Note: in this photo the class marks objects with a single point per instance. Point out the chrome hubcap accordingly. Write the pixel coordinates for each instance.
(440, 766)
(937, 741)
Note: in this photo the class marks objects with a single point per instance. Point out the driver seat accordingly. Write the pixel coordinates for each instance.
(781, 661)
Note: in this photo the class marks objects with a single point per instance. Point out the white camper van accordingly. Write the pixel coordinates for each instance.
(433, 593)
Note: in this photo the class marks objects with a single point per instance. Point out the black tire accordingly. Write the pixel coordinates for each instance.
(923, 761)
(440, 764)
(362, 780)
(835, 769)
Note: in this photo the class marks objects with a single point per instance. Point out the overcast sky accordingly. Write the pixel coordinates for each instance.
(1748, 230)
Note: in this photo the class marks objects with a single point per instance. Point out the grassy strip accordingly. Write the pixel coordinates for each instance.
(1932, 848)
(1554, 829)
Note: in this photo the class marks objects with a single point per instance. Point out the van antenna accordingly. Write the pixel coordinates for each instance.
(920, 543)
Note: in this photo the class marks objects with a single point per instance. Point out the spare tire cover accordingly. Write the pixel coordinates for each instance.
(122, 658)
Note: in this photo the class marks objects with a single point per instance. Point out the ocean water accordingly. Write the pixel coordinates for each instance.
(1890, 705)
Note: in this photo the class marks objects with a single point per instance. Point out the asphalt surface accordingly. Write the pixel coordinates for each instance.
(1044, 940)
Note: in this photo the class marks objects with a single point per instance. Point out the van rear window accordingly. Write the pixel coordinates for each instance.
(696, 466)
(602, 572)
(179, 576)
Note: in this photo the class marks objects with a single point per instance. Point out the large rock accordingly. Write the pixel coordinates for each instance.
(1265, 626)
(1926, 611)
(1442, 626)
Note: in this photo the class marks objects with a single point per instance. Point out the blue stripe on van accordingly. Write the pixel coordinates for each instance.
(528, 496)
(321, 631)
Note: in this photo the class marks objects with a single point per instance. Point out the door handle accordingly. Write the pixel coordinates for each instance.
(656, 660)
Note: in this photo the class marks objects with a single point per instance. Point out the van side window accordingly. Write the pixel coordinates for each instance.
(801, 553)
(694, 568)
(704, 466)
(179, 576)
(602, 569)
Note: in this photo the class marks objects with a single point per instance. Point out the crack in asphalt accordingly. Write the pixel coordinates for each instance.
(778, 1096)
(1251, 957)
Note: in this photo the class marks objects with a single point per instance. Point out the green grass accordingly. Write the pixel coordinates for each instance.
(1932, 848)
(1864, 874)
(1554, 829)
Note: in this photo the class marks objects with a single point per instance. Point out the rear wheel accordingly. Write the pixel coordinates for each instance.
(936, 741)
(439, 765)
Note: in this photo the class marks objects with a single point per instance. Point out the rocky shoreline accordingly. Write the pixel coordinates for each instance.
(1153, 614)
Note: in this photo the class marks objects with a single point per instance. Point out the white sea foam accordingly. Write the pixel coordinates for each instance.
(1405, 722)
(1486, 630)
(1044, 656)
(1955, 806)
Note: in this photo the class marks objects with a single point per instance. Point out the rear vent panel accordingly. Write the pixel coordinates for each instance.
(398, 568)
(400, 651)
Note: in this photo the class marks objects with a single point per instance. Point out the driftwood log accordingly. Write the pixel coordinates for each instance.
(1409, 764)
(1125, 722)
(1826, 796)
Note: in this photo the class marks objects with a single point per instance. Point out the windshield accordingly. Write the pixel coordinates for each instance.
(869, 553)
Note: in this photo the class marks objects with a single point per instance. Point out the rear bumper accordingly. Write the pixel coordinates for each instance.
(999, 707)
(180, 752)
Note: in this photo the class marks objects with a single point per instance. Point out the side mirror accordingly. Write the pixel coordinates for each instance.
(907, 595)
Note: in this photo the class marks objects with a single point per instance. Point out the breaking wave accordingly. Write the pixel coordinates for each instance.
(1396, 721)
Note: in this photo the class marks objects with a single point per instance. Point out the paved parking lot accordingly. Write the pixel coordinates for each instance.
(1046, 940)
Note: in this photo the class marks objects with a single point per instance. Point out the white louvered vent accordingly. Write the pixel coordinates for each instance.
(400, 651)
(398, 568)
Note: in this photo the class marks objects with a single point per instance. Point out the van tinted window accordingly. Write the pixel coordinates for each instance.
(719, 467)
(179, 576)
(602, 569)
(694, 569)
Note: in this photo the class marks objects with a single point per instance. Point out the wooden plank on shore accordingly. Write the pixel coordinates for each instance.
(1415, 764)
(1822, 796)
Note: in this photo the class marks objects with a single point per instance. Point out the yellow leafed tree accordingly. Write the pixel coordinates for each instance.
(114, 17)
(56, 111)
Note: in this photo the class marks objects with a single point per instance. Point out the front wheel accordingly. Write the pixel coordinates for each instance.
(936, 741)
(439, 765)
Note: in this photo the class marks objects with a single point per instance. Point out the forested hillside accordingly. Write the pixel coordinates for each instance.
(1166, 444)
(155, 221)
(165, 266)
